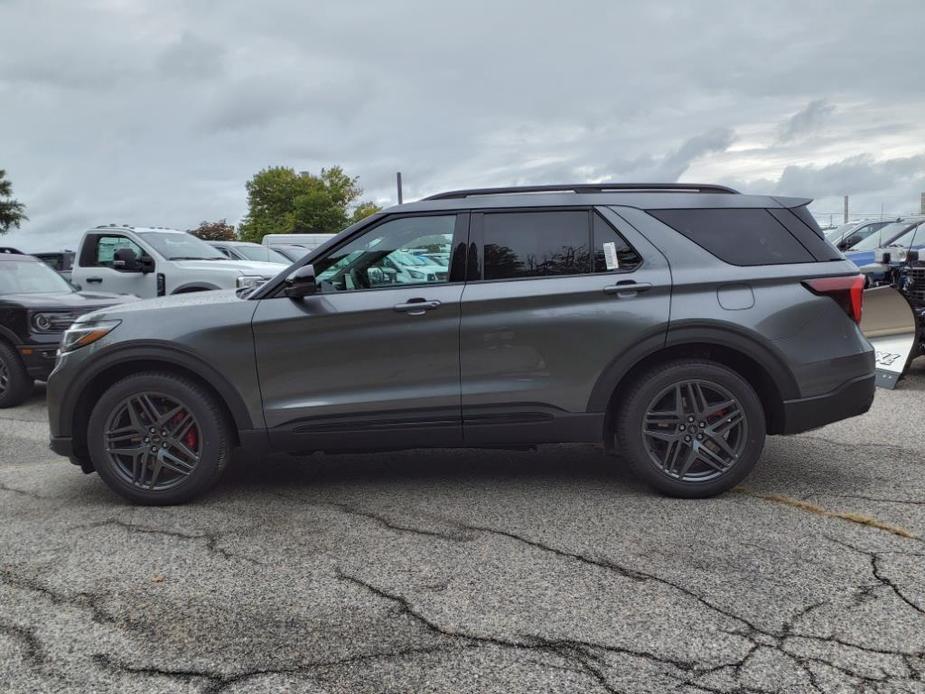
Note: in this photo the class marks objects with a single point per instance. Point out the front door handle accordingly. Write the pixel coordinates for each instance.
(417, 307)
(94, 280)
(627, 288)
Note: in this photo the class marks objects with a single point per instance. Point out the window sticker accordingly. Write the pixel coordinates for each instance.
(610, 256)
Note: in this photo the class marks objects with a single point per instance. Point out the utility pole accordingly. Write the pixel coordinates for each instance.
(846, 209)
(398, 185)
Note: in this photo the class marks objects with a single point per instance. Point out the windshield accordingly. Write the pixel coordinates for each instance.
(262, 253)
(913, 237)
(882, 237)
(179, 246)
(292, 252)
(26, 277)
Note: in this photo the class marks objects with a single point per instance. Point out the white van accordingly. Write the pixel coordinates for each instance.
(307, 241)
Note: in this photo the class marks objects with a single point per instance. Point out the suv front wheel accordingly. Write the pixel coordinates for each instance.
(159, 438)
(691, 428)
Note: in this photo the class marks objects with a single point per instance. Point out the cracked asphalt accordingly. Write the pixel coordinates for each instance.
(461, 571)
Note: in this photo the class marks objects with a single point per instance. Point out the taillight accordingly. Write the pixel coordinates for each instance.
(848, 292)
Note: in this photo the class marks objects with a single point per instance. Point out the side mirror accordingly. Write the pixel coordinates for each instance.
(301, 283)
(147, 264)
(125, 260)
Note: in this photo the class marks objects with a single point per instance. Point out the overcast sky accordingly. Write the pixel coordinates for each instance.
(158, 111)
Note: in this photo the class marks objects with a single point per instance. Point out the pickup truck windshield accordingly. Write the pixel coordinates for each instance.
(18, 277)
(174, 246)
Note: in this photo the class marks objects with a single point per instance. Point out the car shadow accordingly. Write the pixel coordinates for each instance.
(547, 464)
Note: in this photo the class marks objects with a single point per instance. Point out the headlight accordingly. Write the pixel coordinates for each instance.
(83, 334)
(249, 281)
(50, 322)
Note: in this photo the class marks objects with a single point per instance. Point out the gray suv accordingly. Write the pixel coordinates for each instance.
(675, 325)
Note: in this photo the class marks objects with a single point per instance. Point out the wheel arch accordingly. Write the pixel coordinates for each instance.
(79, 401)
(190, 287)
(757, 364)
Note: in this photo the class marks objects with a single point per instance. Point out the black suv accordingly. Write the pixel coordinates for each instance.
(675, 325)
(36, 306)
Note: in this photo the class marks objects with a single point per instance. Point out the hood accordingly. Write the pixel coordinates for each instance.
(241, 267)
(195, 299)
(88, 301)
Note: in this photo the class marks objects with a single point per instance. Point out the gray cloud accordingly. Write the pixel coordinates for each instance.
(157, 112)
(191, 57)
(807, 120)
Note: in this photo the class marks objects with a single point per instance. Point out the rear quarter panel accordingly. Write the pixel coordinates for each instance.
(810, 335)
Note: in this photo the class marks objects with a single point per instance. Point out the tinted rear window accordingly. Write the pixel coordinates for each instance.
(536, 244)
(737, 236)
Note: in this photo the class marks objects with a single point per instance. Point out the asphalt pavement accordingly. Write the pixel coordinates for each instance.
(474, 571)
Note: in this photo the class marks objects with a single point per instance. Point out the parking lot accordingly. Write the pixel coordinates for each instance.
(487, 571)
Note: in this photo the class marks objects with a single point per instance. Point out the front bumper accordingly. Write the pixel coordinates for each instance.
(39, 360)
(849, 400)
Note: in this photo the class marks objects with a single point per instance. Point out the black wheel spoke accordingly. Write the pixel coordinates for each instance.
(154, 441)
(694, 430)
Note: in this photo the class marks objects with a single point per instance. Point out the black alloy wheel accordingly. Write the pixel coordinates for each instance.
(690, 428)
(695, 430)
(153, 441)
(159, 438)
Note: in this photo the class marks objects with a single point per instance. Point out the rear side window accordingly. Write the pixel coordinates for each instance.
(536, 244)
(815, 243)
(611, 251)
(738, 236)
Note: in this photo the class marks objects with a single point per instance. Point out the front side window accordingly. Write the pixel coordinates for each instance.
(400, 252)
(103, 250)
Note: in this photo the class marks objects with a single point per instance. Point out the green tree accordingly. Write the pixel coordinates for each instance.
(12, 212)
(281, 201)
(364, 210)
(214, 231)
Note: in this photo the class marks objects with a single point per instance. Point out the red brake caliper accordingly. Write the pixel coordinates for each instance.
(191, 437)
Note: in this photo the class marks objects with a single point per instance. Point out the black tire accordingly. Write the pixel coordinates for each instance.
(677, 414)
(15, 382)
(149, 484)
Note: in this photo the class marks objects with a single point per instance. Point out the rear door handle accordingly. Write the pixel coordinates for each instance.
(94, 280)
(627, 289)
(417, 307)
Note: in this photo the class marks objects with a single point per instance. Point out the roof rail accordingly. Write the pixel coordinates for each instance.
(9, 250)
(588, 188)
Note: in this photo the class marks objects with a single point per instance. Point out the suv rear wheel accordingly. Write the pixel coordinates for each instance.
(691, 428)
(15, 384)
(159, 439)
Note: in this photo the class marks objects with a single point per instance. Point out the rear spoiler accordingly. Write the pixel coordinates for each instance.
(791, 203)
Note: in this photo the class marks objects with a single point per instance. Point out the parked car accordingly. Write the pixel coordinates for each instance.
(863, 252)
(245, 250)
(156, 261)
(308, 241)
(674, 324)
(36, 306)
(60, 261)
(847, 235)
(292, 252)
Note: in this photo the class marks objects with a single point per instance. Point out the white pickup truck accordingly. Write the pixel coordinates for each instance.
(155, 261)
